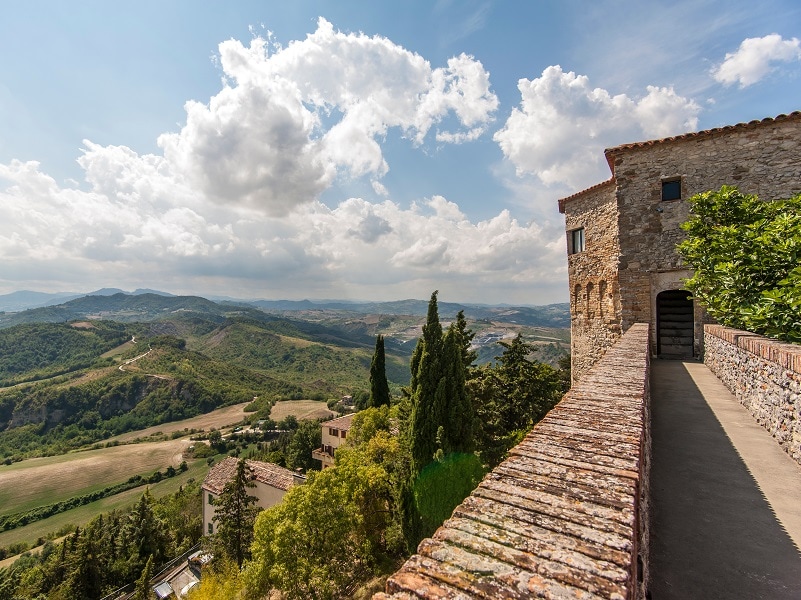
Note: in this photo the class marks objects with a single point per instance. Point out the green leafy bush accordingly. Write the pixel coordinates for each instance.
(745, 254)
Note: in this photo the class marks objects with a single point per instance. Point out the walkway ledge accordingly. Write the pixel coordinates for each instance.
(566, 515)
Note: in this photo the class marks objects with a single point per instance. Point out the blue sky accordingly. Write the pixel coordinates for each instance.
(364, 150)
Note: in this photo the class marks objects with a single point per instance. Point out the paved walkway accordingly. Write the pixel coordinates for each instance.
(726, 500)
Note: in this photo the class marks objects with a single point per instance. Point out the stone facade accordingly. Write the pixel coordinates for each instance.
(631, 232)
(566, 515)
(765, 377)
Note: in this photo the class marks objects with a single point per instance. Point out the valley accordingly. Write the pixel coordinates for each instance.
(99, 390)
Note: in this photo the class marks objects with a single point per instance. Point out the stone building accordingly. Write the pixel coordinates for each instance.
(271, 485)
(621, 234)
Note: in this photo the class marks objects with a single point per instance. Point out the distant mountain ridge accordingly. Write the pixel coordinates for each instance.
(144, 304)
(25, 299)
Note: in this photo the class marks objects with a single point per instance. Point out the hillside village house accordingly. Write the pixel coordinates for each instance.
(272, 482)
(622, 233)
(335, 434)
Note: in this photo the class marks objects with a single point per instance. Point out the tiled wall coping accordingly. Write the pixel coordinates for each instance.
(765, 377)
(565, 516)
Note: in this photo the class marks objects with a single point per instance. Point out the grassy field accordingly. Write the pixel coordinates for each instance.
(83, 514)
(302, 409)
(39, 481)
(222, 417)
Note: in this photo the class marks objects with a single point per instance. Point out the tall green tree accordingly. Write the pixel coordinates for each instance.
(510, 397)
(306, 438)
(465, 341)
(425, 387)
(145, 533)
(142, 590)
(379, 386)
(442, 415)
(745, 254)
(235, 516)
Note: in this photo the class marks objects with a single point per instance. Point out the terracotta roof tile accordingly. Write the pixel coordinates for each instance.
(267, 473)
(704, 133)
(341, 423)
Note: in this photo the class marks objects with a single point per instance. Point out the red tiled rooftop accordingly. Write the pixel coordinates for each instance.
(341, 423)
(267, 473)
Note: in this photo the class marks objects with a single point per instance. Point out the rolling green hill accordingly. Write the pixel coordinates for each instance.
(38, 350)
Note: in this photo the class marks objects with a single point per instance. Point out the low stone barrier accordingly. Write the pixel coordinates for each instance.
(566, 515)
(765, 377)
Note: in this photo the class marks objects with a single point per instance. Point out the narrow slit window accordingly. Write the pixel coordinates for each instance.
(671, 189)
(576, 241)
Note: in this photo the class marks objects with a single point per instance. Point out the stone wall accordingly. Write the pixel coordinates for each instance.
(765, 377)
(566, 515)
(594, 297)
(635, 255)
(762, 157)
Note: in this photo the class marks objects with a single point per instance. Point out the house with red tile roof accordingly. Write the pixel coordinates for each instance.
(271, 484)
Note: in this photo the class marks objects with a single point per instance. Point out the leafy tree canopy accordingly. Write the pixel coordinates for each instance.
(745, 254)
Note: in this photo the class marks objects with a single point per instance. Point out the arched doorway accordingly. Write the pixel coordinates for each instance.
(674, 324)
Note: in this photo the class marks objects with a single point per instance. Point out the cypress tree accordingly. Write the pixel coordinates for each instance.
(426, 379)
(379, 386)
(458, 410)
(142, 590)
(235, 516)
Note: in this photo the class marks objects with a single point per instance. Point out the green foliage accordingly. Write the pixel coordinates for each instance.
(745, 256)
(40, 350)
(307, 437)
(367, 423)
(114, 549)
(329, 534)
(235, 515)
(142, 590)
(442, 486)
(379, 386)
(511, 397)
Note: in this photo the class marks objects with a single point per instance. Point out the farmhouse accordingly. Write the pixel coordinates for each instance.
(622, 233)
(272, 482)
(335, 433)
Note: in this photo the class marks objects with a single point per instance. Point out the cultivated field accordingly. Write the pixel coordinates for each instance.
(83, 514)
(39, 481)
(301, 409)
(222, 417)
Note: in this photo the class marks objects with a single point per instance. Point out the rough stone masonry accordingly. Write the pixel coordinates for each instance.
(630, 224)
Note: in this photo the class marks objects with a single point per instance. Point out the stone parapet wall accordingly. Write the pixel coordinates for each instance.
(765, 377)
(566, 515)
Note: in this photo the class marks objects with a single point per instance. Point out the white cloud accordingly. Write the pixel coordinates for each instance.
(562, 125)
(232, 207)
(755, 58)
(116, 233)
(290, 120)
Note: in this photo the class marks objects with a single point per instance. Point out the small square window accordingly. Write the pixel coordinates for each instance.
(211, 529)
(576, 241)
(671, 189)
